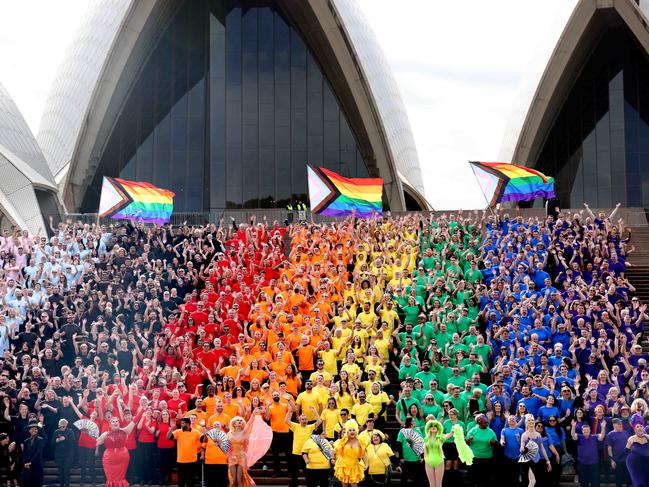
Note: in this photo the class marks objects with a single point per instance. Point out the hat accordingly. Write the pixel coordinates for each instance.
(616, 421)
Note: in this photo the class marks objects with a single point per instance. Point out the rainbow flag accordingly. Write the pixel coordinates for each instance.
(501, 182)
(141, 201)
(331, 194)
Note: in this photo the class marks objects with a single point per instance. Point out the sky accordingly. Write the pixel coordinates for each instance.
(466, 71)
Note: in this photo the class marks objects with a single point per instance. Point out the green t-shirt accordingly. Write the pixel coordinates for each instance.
(457, 381)
(443, 374)
(408, 402)
(429, 333)
(447, 429)
(480, 445)
(433, 409)
(425, 377)
(410, 371)
(408, 454)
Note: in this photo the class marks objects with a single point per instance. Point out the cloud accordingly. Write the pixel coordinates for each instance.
(460, 67)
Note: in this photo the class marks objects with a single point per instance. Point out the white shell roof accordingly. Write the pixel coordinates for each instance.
(75, 83)
(71, 93)
(22, 167)
(385, 91)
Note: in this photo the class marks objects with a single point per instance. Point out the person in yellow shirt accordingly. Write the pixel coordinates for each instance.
(365, 436)
(188, 443)
(362, 409)
(379, 400)
(321, 368)
(309, 402)
(379, 460)
(352, 368)
(330, 418)
(317, 460)
(216, 462)
(301, 432)
(367, 316)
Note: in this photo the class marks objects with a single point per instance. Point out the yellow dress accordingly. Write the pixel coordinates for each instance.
(348, 468)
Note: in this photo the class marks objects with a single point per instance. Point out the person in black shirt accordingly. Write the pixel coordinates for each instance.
(125, 356)
(64, 445)
(33, 449)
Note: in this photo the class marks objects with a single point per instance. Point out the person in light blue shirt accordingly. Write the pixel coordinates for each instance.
(510, 439)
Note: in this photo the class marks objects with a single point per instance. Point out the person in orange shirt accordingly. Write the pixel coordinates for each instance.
(230, 408)
(254, 373)
(305, 353)
(210, 401)
(188, 443)
(219, 416)
(276, 414)
(198, 411)
(293, 380)
(216, 462)
(232, 370)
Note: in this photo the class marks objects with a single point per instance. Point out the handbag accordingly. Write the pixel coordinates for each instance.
(568, 464)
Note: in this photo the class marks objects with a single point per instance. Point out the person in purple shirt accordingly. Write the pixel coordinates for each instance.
(587, 457)
(637, 460)
(616, 445)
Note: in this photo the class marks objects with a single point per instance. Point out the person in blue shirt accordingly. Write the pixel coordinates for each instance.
(538, 275)
(510, 439)
(566, 403)
(549, 409)
(531, 402)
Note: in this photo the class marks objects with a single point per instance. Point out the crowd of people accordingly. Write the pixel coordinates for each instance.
(514, 347)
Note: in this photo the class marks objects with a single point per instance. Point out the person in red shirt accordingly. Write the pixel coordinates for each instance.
(194, 377)
(205, 356)
(165, 447)
(87, 445)
(145, 452)
(200, 316)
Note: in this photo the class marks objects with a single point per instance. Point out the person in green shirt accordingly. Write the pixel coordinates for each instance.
(404, 403)
(472, 365)
(456, 379)
(443, 372)
(411, 311)
(430, 407)
(442, 337)
(458, 402)
(425, 374)
(433, 388)
(424, 332)
(473, 274)
(481, 439)
(411, 468)
(408, 368)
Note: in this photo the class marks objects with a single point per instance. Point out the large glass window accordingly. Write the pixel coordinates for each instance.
(597, 143)
(227, 112)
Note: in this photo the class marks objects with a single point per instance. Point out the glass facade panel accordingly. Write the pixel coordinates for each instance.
(599, 144)
(227, 111)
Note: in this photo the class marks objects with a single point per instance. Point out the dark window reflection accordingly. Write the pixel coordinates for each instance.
(227, 111)
(600, 139)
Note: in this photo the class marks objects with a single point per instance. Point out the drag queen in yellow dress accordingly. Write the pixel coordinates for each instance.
(349, 454)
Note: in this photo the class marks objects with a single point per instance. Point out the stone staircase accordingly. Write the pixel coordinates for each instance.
(637, 270)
